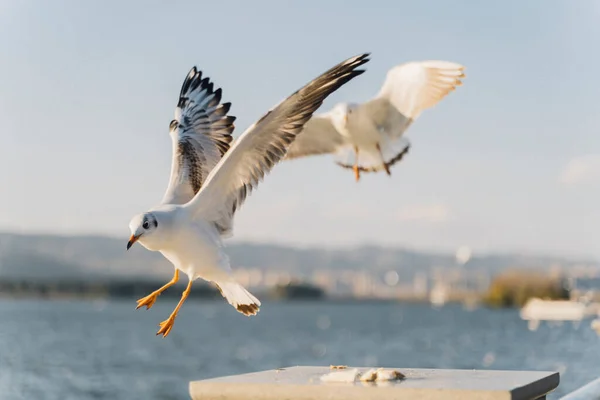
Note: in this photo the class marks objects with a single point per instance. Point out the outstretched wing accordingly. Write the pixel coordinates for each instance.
(262, 145)
(319, 136)
(201, 133)
(408, 90)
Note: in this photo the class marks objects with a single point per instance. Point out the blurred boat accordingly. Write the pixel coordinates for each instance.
(555, 310)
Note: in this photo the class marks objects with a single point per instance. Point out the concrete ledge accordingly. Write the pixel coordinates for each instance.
(303, 383)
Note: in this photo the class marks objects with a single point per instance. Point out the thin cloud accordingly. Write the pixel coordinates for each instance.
(429, 213)
(581, 169)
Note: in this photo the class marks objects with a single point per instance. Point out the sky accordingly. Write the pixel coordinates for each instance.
(510, 162)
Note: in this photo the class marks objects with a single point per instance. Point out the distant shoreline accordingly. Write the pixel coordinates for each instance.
(175, 295)
(268, 298)
(128, 290)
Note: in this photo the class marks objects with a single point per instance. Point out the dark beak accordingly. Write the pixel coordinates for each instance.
(132, 240)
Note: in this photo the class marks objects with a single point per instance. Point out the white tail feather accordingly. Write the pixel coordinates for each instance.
(392, 149)
(241, 299)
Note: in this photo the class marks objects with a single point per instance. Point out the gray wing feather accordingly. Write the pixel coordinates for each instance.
(319, 136)
(201, 135)
(386, 117)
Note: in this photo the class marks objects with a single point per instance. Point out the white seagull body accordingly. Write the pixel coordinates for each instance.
(210, 181)
(369, 137)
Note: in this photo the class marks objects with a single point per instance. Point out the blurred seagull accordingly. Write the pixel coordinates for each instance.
(368, 137)
(210, 181)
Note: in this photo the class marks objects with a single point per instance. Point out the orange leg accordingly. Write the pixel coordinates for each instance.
(167, 324)
(385, 166)
(355, 168)
(149, 300)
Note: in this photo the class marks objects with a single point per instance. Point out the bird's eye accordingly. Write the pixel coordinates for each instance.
(145, 225)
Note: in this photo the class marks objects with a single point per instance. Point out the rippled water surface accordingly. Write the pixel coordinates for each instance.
(107, 350)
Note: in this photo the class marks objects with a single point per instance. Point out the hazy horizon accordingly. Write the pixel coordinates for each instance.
(510, 162)
(335, 247)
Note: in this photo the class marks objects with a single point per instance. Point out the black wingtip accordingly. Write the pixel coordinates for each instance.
(347, 68)
(361, 58)
(192, 72)
(189, 78)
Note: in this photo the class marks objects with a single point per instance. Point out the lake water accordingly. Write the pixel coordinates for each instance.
(108, 350)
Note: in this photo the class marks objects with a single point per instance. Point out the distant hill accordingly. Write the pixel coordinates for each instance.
(46, 257)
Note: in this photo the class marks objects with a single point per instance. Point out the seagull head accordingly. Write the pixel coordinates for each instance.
(142, 225)
(339, 115)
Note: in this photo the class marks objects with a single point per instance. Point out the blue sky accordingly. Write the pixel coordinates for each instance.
(509, 162)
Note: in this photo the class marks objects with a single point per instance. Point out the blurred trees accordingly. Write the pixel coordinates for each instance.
(514, 287)
(297, 290)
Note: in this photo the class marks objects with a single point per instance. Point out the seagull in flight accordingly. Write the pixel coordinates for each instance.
(368, 137)
(210, 181)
